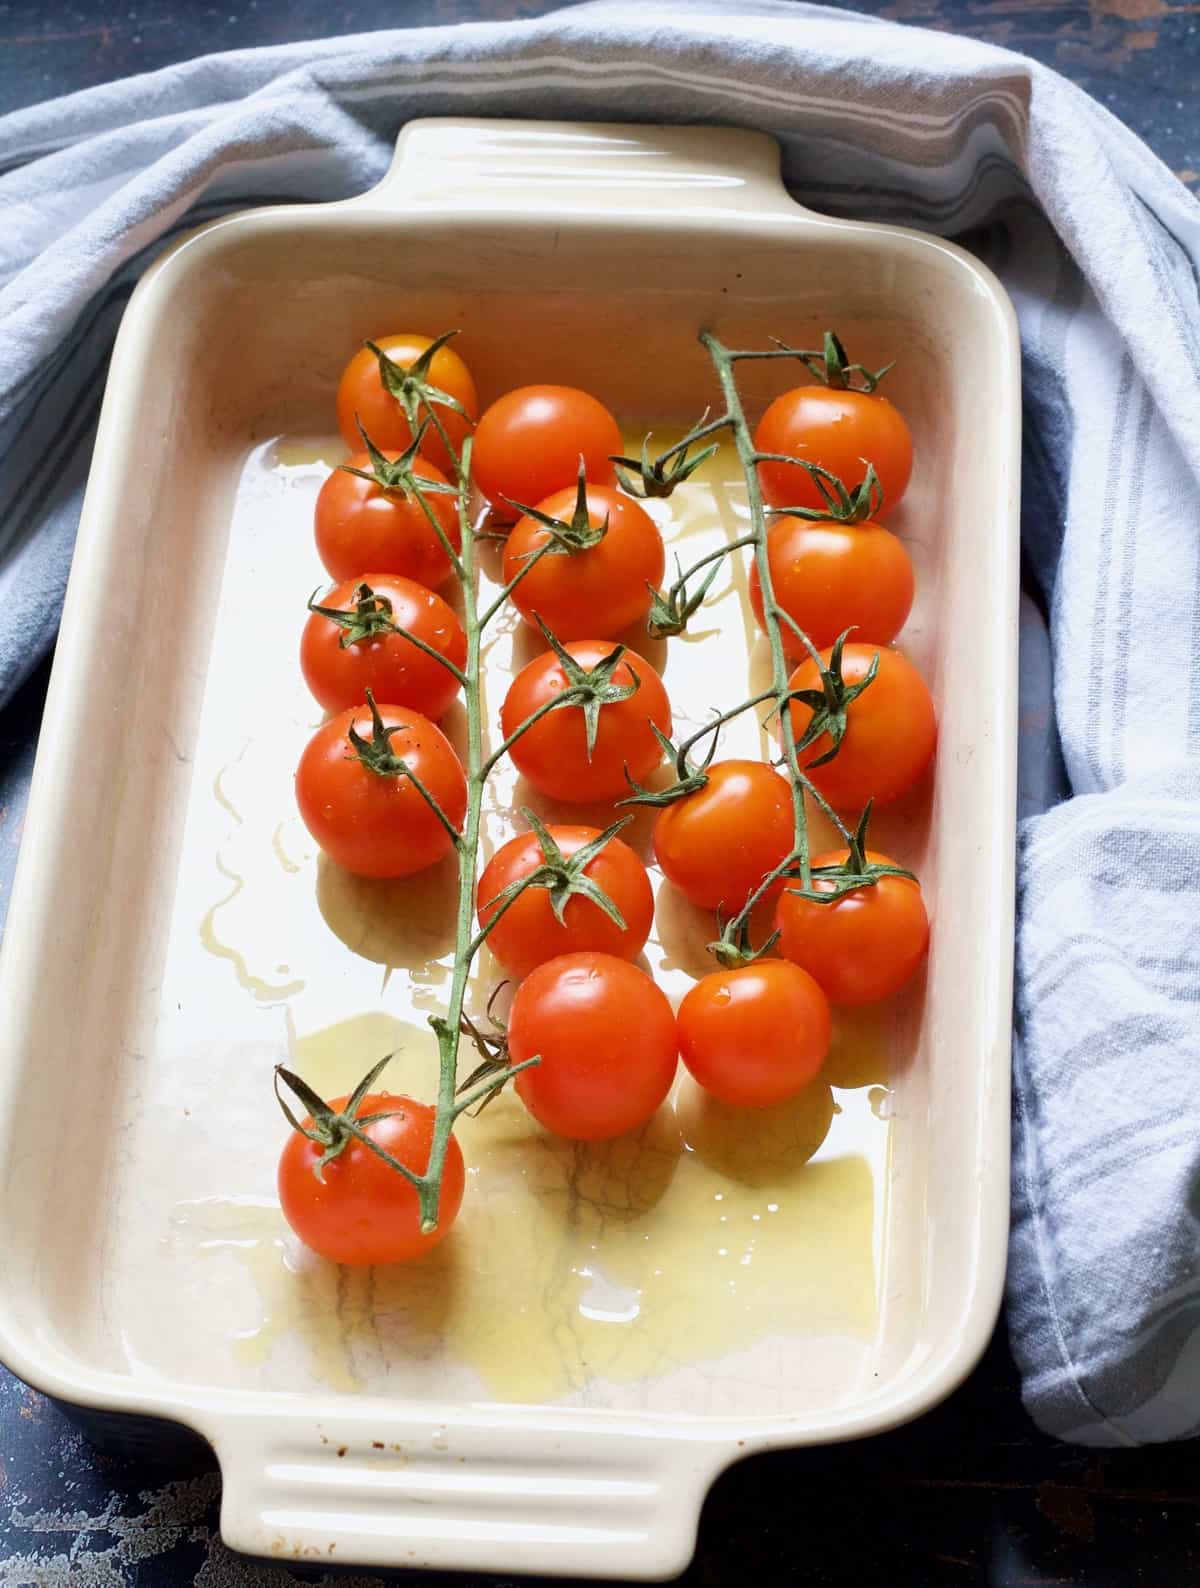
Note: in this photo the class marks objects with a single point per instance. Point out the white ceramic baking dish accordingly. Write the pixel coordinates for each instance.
(146, 987)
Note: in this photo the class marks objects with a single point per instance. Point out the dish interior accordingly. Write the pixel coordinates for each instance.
(808, 1263)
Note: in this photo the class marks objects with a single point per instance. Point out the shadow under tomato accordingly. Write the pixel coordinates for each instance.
(756, 1146)
(621, 1180)
(684, 930)
(391, 921)
(411, 1302)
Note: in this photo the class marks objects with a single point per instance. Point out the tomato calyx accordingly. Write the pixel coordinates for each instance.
(851, 874)
(370, 616)
(398, 476)
(842, 506)
(333, 1131)
(829, 703)
(568, 536)
(377, 755)
(832, 368)
(411, 387)
(689, 779)
(589, 688)
(733, 948)
(658, 477)
(563, 878)
(495, 1064)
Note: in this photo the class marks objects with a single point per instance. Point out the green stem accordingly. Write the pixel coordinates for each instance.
(723, 361)
(447, 1028)
(527, 566)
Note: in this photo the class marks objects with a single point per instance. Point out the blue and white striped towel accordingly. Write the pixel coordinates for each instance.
(1098, 245)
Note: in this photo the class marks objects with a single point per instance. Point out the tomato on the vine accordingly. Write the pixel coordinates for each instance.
(363, 399)
(862, 946)
(359, 802)
(554, 754)
(755, 1035)
(597, 589)
(890, 732)
(829, 577)
(342, 657)
(606, 1038)
(529, 442)
(839, 430)
(528, 932)
(360, 525)
(718, 844)
(362, 1211)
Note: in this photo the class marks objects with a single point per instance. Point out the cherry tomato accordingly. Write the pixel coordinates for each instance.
(363, 1211)
(529, 933)
(755, 1035)
(362, 393)
(831, 577)
(837, 430)
(529, 442)
(340, 662)
(358, 525)
(553, 754)
(718, 844)
(890, 729)
(377, 824)
(606, 1037)
(865, 945)
(601, 589)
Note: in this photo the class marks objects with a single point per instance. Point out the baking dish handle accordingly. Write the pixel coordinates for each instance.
(576, 1500)
(458, 164)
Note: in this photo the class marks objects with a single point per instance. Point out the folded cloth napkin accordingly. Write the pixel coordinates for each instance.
(1099, 247)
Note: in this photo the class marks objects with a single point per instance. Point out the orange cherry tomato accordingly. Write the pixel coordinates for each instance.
(528, 932)
(340, 663)
(831, 577)
(717, 844)
(840, 431)
(362, 1211)
(600, 589)
(606, 1038)
(755, 1035)
(358, 525)
(553, 754)
(865, 945)
(890, 729)
(361, 394)
(377, 824)
(529, 442)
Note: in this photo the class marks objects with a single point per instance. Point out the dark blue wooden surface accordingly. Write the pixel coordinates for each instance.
(971, 1494)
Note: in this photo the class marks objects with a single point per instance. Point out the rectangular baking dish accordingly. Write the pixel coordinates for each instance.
(585, 254)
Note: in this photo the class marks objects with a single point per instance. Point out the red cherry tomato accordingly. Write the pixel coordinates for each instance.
(840, 431)
(606, 1037)
(358, 525)
(340, 662)
(528, 932)
(832, 577)
(553, 754)
(717, 844)
(755, 1035)
(865, 945)
(601, 589)
(377, 824)
(362, 1211)
(361, 394)
(529, 442)
(890, 729)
